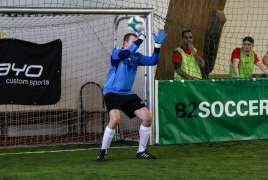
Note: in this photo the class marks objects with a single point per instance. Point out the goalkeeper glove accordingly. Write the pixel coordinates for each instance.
(159, 38)
(139, 33)
(141, 36)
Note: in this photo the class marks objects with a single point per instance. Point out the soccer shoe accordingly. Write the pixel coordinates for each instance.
(145, 155)
(102, 155)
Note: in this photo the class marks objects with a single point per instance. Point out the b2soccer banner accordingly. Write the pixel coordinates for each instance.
(30, 73)
(209, 111)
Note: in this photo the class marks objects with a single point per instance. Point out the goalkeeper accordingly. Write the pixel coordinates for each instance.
(118, 93)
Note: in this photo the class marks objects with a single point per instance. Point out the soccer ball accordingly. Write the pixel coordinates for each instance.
(136, 24)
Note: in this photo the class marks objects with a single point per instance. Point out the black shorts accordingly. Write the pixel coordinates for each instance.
(126, 103)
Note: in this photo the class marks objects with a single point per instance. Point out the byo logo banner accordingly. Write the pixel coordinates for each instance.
(30, 73)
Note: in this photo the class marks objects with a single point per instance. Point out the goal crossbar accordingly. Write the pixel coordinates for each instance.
(35, 10)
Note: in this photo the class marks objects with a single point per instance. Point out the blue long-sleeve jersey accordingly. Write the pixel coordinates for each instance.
(123, 68)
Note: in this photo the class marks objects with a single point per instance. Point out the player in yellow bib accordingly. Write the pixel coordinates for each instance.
(243, 60)
(187, 59)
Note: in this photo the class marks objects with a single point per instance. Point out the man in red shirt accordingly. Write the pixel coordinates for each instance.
(243, 60)
(187, 60)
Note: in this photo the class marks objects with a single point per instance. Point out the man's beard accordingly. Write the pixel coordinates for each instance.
(186, 44)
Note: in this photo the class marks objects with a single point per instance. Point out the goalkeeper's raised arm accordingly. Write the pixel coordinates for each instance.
(159, 39)
(131, 43)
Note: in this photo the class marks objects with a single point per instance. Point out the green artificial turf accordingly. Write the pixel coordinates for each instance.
(222, 160)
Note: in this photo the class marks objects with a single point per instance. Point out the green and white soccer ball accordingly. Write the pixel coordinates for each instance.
(136, 24)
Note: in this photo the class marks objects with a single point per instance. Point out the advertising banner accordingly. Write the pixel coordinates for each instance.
(208, 110)
(30, 73)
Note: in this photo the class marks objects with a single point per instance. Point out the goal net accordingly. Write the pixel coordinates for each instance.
(80, 116)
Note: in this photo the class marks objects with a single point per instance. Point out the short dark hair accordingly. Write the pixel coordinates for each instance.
(250, 39)
(185, 31)
(127, 36)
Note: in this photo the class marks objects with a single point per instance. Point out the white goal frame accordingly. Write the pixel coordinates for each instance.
(147, 13)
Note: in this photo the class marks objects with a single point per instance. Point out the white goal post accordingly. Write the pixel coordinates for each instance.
(88, 36)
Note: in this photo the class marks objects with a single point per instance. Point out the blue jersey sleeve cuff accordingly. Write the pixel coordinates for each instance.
(123, 54)
(157, 50)
(138, 42)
